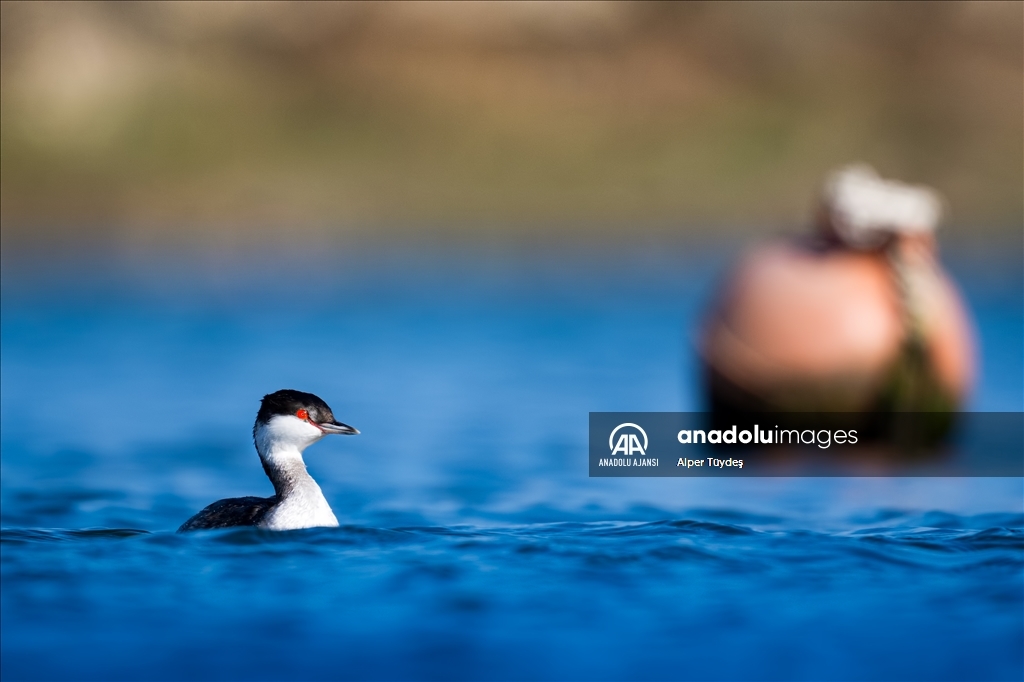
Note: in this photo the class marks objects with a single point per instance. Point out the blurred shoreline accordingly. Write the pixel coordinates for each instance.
(380, 121)
(570, 247)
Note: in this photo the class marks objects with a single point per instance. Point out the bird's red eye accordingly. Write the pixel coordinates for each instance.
(302, 414)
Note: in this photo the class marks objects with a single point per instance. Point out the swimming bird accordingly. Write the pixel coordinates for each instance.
(287, 423)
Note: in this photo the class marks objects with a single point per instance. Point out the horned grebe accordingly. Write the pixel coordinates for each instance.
(288, 422)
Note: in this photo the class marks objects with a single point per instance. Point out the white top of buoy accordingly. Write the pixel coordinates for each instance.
(864, 208)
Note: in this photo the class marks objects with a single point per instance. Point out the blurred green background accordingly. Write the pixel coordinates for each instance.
(159, 122)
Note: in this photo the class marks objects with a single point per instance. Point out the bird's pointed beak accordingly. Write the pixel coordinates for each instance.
(339, 428)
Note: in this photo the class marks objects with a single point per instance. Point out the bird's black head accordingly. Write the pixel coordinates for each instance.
(303, 406)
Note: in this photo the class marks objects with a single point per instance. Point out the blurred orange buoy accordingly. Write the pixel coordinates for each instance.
(859, 316)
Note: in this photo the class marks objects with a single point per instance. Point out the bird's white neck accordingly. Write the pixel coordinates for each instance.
(300, 502)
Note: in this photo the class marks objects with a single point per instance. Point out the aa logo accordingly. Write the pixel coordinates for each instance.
(627, 444)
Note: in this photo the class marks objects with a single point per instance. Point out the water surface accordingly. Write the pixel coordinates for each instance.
(473, 546)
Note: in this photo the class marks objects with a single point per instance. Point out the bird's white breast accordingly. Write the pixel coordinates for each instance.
(301, 503)
(306, 507)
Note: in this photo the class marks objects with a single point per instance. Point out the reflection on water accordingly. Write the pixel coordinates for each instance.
(738, 597)
(477, 547)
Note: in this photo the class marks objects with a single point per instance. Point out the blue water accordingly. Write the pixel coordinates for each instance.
(473, 545)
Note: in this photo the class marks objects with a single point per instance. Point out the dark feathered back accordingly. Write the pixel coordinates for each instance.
(237, 511)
